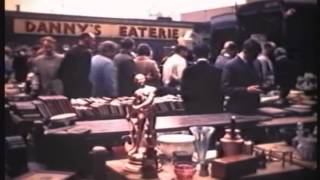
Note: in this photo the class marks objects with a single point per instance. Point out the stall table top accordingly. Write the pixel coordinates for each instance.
(111, 131)
(282, 146)
(165, 123)
(45, 174)
(117, 171)
(288, 121)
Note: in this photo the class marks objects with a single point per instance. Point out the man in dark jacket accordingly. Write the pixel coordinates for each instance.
(228, 52)
(240, 80)
(126, 68)
(200, 85)
(20, 63)
(285, 72)
(75, 68)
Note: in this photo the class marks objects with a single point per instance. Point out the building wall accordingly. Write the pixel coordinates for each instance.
(205, 15)
(26, 28)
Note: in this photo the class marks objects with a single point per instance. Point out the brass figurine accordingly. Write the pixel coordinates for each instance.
(142, 119)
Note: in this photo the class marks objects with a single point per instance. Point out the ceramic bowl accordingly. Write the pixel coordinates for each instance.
(169, 143)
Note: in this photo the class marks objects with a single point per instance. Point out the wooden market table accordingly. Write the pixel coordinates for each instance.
(108, 133)
(282, 146)
(284, 121)
(295, 170)
(273, 170)
(45, 174)
(111, 131)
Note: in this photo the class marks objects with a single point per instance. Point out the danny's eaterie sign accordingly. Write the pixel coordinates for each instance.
(67, 28)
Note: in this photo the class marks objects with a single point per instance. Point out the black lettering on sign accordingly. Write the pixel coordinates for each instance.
(30, 27)
(175, 33)
(133, 32)
(54, 28)
(162, 33)
(97, 29)
(169, 33)
(123, 31)
(142, 30)
(82, 27)
(42, 28)
(69, 28)
(153, 32)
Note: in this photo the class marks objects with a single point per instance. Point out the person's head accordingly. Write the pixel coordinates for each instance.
(144, 49)
(280, 51)
(251, 49)
(268, 48)
(182, 50)
(140, 79)
(87, 39)
(48, 44)
(127, 43)
(7, 50)
(230, 48)
(169, 50)
(108, 48)
(201, 51)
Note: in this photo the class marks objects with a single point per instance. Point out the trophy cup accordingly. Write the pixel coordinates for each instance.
(202, 136)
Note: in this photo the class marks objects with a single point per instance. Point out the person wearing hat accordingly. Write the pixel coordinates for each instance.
(46, 65)
(75, 68)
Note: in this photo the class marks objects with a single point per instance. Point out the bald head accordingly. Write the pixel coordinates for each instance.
(230, 48)
(140, 79)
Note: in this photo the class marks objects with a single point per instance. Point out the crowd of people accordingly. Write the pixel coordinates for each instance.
(241, 74)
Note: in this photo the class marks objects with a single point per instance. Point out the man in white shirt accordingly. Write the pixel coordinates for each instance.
(173, 68)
